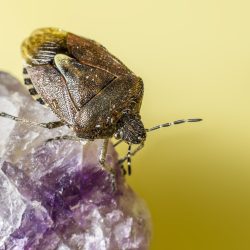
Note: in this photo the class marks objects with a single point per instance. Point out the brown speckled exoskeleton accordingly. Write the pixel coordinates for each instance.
(90, 90)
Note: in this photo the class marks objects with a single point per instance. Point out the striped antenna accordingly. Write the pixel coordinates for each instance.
(168, 124)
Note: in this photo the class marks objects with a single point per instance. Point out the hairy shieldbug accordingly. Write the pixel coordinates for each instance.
(89, 89)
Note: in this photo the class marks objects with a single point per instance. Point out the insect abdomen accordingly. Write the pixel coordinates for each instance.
(29, 85)
(38, 49)
(43, 45)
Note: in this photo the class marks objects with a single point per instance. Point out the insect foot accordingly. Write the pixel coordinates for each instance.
(62, 187)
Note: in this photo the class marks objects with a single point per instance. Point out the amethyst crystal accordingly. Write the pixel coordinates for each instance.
(55, 195)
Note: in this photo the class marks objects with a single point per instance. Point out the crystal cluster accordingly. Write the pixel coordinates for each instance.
(55, 195)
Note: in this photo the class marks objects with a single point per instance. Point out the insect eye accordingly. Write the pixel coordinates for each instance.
(121, 134)
(117, 136)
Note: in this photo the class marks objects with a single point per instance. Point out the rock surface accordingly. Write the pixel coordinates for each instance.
(55, 195)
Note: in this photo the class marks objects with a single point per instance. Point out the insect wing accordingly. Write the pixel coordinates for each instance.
(52, 87)
(92, 53)
(83, 81)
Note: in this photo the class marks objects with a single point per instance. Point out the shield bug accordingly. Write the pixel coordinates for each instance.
(89, 89)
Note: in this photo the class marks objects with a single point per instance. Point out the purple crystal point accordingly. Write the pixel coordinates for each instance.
(56, 195)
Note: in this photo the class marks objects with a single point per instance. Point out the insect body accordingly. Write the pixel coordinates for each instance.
(90, 90)
(85, 86)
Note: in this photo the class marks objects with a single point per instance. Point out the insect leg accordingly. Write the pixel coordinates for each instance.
(124, 172)
(129, 159)
(49, 125)
(132, 153)
(117, 143)
(103, 151)
(168, 124)
(102, 159)
(121, 165)
(66, 137)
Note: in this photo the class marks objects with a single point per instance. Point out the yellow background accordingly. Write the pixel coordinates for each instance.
(194, 58)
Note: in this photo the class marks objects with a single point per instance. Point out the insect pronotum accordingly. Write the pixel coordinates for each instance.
(89, 89)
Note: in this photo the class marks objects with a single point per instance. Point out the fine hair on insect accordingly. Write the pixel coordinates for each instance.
(89, 90)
